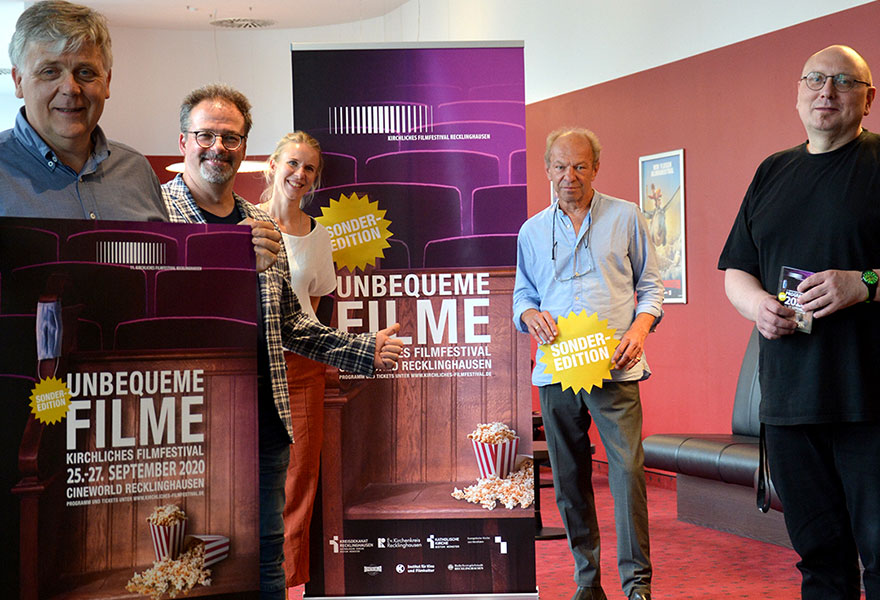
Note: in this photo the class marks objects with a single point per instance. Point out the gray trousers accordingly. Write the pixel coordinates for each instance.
(617, 412)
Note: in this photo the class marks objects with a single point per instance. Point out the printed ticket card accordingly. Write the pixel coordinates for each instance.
(789, 279)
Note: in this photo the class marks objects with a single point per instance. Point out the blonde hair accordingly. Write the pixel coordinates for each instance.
(295, 137)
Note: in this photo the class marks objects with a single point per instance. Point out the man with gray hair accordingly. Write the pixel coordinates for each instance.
(56, 160)
(588, 251)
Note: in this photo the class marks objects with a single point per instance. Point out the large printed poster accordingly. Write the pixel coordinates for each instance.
(128, 380)
(661, 197)
(423, 193)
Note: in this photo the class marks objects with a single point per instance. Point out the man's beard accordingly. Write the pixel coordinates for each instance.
(216, 174)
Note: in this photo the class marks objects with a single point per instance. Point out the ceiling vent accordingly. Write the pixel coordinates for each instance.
(243, 23)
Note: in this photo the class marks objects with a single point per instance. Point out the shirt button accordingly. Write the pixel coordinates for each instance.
(93, 216)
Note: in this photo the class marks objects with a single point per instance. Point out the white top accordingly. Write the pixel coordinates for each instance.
(311, 265)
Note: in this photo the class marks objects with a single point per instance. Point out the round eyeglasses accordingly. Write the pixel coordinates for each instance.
(230, 141)
(841, 82)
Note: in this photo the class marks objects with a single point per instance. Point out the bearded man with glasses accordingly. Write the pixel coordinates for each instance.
(214, 123)
(816, 207)
(588, 251)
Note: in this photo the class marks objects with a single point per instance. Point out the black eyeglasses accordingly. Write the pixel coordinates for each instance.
(230, 141)
(841, 82)
(576, 270)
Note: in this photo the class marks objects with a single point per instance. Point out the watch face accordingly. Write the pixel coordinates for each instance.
(870, 277)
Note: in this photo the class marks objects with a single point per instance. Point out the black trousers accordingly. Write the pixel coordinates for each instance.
(828, 478)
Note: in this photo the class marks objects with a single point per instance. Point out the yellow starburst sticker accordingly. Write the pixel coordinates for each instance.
(580, 356)
(358, 231)
(50, 400)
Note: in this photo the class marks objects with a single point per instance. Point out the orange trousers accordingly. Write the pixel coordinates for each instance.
(305, 383)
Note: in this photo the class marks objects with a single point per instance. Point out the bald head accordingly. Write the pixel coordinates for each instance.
(832, 114)
(845, 53)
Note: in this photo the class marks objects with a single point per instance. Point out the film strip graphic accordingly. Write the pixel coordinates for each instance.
(381, 119)
(131, 253)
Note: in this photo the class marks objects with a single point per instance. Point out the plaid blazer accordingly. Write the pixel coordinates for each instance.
(286, 325)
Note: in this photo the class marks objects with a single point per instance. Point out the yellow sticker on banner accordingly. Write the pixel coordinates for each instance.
(580, 356)
(358, 231)
(50, 400)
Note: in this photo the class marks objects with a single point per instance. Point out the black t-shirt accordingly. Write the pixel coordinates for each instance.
(272, 430)
(815, 212)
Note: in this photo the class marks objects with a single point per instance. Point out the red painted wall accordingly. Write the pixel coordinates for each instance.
(729, 109)
(247, 185)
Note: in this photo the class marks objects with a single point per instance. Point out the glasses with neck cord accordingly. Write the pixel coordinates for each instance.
(577, 269)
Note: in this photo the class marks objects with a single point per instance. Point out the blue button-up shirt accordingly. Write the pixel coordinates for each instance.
(116, 182)
(597, 269)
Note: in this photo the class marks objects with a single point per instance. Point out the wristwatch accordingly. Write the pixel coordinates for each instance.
(870, 279)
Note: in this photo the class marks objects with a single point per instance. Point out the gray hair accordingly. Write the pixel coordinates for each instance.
(66, 27)
(580, 132)
(215, 91)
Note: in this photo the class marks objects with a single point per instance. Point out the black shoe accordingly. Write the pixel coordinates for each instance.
(590, 593)
(640, 596)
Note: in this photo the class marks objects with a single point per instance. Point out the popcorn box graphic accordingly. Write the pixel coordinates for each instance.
(496, 459)
(168, 539)
(216, 546)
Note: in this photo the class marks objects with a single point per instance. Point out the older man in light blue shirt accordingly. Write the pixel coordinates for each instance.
(588, 251)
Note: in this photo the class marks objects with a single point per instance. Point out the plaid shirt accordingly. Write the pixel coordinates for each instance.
(286, 325)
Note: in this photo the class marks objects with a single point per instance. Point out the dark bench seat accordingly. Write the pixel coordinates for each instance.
(716, 473)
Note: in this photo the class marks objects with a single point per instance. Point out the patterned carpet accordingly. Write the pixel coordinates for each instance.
(690, 562)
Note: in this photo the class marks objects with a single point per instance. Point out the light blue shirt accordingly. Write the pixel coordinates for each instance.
(598, 269)
(115, 183)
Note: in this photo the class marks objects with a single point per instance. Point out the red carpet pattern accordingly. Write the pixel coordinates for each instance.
(690, 562)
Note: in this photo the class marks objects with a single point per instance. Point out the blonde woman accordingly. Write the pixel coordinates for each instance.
(294, 172)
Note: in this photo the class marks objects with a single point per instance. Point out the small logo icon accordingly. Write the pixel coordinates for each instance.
(400, 568)
(502, 543)
(335, 543)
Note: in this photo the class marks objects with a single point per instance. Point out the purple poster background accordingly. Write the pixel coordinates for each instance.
(150, 330)
(435, 136)
(448, 117)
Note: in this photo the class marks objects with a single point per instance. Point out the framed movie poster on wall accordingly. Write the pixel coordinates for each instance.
(661, 197)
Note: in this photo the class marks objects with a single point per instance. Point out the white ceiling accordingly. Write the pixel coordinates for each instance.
(197, 14)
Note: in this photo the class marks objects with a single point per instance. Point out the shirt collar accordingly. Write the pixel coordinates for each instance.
(32, 141)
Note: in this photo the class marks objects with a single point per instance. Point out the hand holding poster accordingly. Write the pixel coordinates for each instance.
(580, 356)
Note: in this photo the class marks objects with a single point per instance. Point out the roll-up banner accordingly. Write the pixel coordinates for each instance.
(129, 433)
(426, 481)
